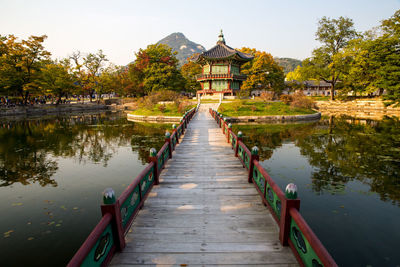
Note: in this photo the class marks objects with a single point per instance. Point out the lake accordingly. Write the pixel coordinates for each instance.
(52, 175)
(348, 176)
(53, 171)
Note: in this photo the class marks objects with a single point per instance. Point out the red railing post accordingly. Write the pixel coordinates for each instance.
(153, 158)
(239, 138)
(289, 202)
(254, 156)
(168, 140)
(112, 207)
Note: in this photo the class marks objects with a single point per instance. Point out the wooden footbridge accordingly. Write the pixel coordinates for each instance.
(203, 200)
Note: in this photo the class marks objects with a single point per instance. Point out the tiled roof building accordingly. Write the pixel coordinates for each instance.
(221, 69)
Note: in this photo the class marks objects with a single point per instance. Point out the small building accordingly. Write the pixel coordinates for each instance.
(221, 66)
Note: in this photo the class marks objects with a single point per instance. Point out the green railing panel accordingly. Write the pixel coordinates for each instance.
(259, 179)
(273, 200)
(166, 154)
(100, 250)
(129, 206)
(173, 141)
(147, 181)
(240, 152)
(306, 252)
(233, 142)
(230, 138)
(160, 162)
(246, 160)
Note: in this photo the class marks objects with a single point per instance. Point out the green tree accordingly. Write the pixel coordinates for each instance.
(334, 34)
(262, 72)
(94, 64)
(156, 69)
(20, 64)
(189, 71)
(56, 79)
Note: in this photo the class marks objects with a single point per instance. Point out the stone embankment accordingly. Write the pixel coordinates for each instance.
(368, 109)
(275, 118)
(50, 109)
(166, 119)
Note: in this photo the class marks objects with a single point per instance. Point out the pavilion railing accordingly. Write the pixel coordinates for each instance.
(284, 207)
(221, 76)
(108, 236)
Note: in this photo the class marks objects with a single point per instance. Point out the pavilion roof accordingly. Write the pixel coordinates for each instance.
(223, 51)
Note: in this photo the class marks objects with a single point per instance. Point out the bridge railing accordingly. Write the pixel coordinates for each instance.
(284, 207)
(108, 236)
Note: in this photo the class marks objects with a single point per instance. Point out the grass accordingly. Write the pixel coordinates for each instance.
(320, 98)
(259, 108)
(171, 110)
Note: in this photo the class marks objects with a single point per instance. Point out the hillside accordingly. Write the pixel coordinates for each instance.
(185, 48)
(288, 64)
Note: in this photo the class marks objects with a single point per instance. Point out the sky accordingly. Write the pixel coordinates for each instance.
(284, 28)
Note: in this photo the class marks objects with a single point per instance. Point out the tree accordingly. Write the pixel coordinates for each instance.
(189, 71)
(56, 79)
(334, 34)
(20, 64)
(94, 65)
(262, 72)
(80, 75)
(155, 69)
(372, 62)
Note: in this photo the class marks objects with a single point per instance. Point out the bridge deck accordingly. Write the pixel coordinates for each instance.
(204, 212)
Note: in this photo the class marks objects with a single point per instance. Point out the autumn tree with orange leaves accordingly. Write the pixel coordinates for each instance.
(263, 73)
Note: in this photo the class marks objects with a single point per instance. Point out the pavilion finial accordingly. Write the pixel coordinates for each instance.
(221, 38)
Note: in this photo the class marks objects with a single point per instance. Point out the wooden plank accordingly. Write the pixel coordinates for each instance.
(204, 212)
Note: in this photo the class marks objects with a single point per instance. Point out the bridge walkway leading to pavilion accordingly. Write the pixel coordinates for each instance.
(204, 212)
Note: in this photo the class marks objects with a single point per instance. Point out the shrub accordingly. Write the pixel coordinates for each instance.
(299, 100)
(221, 109)
(253, 108)
(286, 99)
(267, 96)
(162, 108)
(236, 105)
(183, 106)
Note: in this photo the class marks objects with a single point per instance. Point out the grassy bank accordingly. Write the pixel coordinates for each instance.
(259, 108)
(167, 110)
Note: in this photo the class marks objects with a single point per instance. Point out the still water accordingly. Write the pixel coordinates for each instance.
(52, 174)
(53, 170)
(348, 176)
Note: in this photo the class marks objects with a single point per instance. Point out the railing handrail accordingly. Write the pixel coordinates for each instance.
(312, 239)
(278, 191)
(125, 194)
(90, 241)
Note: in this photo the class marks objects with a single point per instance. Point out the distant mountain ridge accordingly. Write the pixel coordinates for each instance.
(288, 64)
(179, 43)
(186, 48)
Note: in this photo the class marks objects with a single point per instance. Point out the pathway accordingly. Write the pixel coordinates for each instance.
(204, 212)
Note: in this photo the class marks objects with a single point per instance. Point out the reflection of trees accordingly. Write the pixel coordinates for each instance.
(27, 146)
(267, 137)
(345, 150)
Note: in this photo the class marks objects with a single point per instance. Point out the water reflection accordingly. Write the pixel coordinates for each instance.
(28, 147)
(341, 149)
(347, 149)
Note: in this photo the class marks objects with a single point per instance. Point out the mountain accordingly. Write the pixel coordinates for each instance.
(288, 64)
(179, 43)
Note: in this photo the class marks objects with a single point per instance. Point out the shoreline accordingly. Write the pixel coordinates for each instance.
(49, 109)
(157, 118)
(275, 118)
